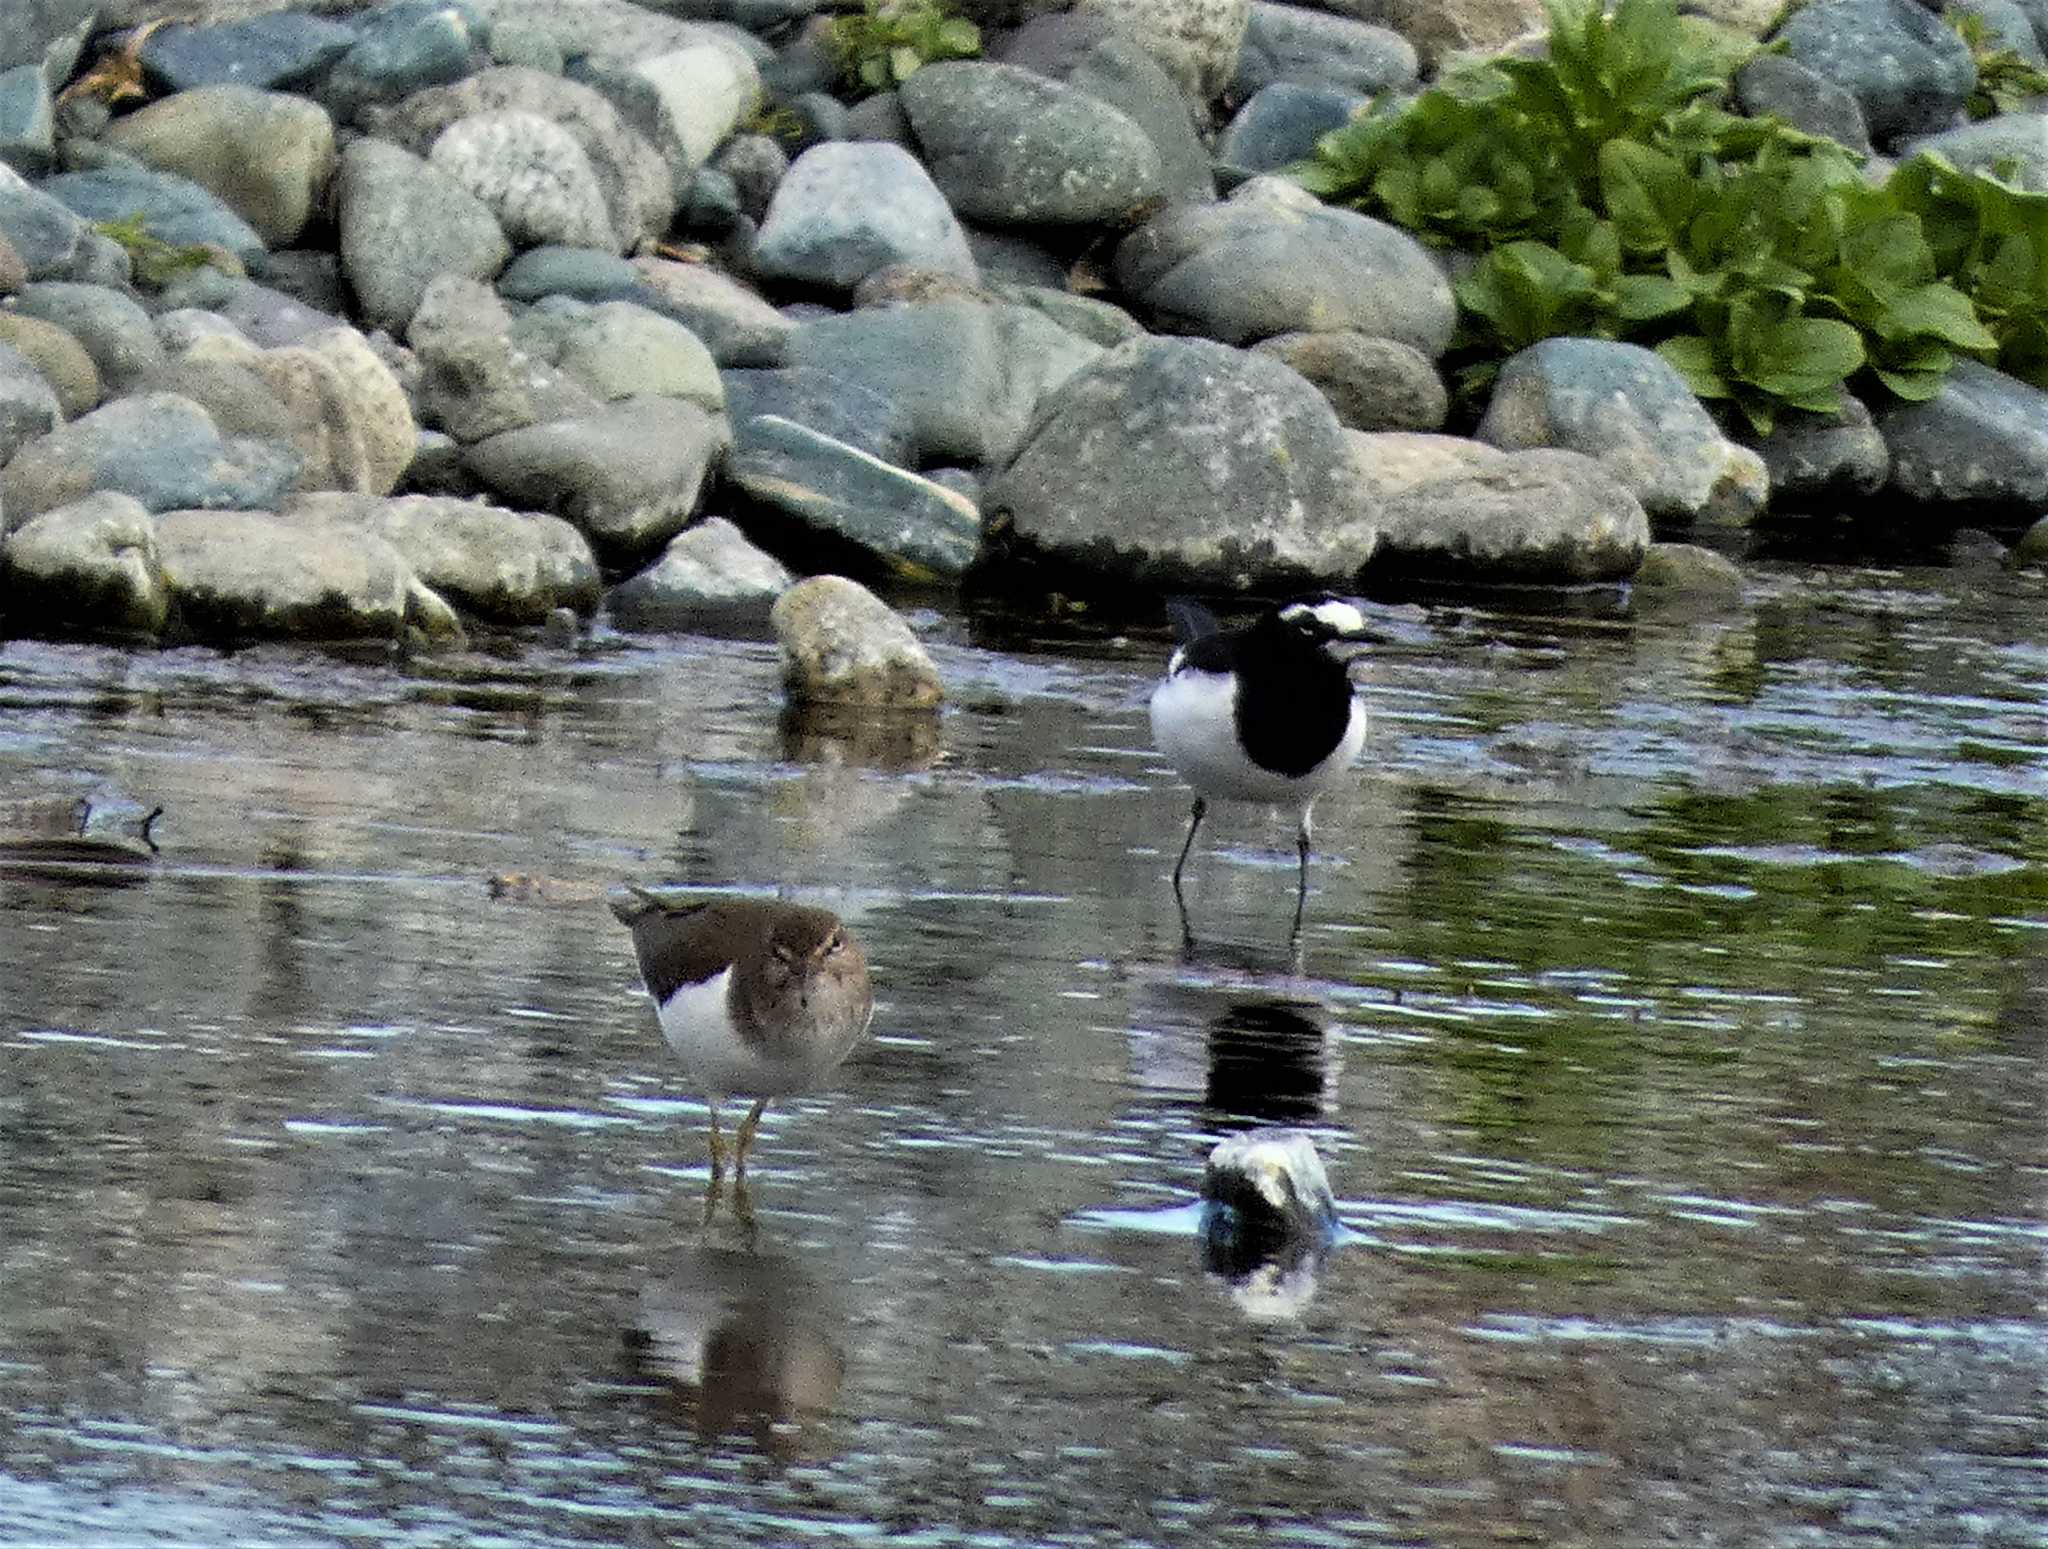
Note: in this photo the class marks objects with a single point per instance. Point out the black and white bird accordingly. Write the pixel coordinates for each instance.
(1263, 713)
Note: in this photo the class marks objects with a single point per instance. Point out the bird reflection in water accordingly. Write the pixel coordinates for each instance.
(1269, 1062)
(741, 1345)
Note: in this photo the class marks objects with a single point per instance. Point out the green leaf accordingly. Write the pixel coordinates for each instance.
(959, 36)
(1641, 298)
(1939, 310)
(1693, 358)
(1913, 386)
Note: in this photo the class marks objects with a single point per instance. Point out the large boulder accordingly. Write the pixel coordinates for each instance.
(1907, 68)
(846, 210)
(1981, 441)
(842, 645)
(266, 154)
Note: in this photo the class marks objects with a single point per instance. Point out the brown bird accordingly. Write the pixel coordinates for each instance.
(759, 999)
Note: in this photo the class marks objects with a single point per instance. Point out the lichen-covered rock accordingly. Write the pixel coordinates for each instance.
(1195, 41)
(474, 381)
(238, 575)
(88, 568)
(841, 644)
(403, 223)
(1373, 384)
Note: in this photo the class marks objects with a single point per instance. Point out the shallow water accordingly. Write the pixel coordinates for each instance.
(1671, 1017)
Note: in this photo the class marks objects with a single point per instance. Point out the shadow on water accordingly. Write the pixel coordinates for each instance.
(1669, 1015)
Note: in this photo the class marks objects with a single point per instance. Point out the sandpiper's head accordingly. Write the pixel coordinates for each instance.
(809, 954)
(1324, 617)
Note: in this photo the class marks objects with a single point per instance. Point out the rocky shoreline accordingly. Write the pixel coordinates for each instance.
(397, 320)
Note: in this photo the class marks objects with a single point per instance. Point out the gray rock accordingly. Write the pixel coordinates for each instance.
(710, 207)
(1373, 384)
(1982, 441)
(531, 175)
(58, 358)
(88, 568)
(28, 121)
(881, 117)
(266, 155)
(630, 475)
(1195, 41)
(50, 33)
(265, 317)
(1630, 408)
(1271, 1186)
(1088, 317)
(2012, 147)
(309, 276)
(578, 272)
(835, 406)
(240, 575)
(609, 28)
(709, 576)
(1313, 48)
(403, 222)
(235, 398)
(1174, 461)
(1091, 53)
(1684, 575)
(160, 448)
(1544, 517)
(28, 405)
(1273, 260)
(625, 173)
(1824, 459)
(474, 381)
(2006, 26)
(43, 231)
(401, 49)
(507, 567)
(921, 530)
(756, 163)
(1012, 148)
(844, 211)
(1281, 124)
(736, 325)
(274, 52)
(842, 645)
(350, 419)
(1901, 62)
(114, 330)
(685, 102)
(620, 350)
(968, 375)
(1804, 98)
(13, 271)
(173, 209)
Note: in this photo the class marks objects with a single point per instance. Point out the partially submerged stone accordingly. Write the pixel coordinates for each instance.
(841, 644)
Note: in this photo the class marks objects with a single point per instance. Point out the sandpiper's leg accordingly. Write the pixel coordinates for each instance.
(1194, 822)
(748, 1125)
(717, 1142)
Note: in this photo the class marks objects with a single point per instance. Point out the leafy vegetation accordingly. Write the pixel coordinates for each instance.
(2006, 79)
(155, 262)
(887, 41)
(1608, 193)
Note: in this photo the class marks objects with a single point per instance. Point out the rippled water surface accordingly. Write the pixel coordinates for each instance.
(1672, 1017)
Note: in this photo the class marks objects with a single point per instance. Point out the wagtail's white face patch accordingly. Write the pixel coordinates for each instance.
(1329, 615)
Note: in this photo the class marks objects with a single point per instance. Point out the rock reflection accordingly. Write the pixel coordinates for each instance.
(861, 737)
(744, 1345)
(1269, 1282)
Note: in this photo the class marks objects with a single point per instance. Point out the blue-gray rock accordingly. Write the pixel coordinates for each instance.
(1824, 460)
(920, 530)
(881, 117)
(1195, 41)
(265, 317)
(28, 121)
(1455, 510)
(1628, 407)
(243, 575)
(403, 222)
(2036, 12)
(710, 207)
(1803, 98)
(626, 175)
(1314, 48)
(475, 382)
(1181, 461)
(1281, 124)
(738, 327)
(818, 117)
(267, 155)
(43, 231)
(579, 272)
(756, 164)
(58, 358)
(1373, 384)
(1091, 53)
(709, 577)
(846, 210)
(28, 404)
(1982, 441)
(1089, 317)
(835, 406)
(630, 475)
(48, 33)
(310, 276)
(2006, 26)
(275, 52)
(507, 567)
(173, 209)
(968, 375)
(621, 350)
(402, 49)
(160, 448)
(115, 331)
(1272, 259)
(1013, 149)
(1904, 65)
(2012, 147)
(1016, 258)
(100, 260)
(88, 568)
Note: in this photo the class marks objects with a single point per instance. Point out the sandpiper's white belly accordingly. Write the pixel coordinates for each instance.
(1194, 723)
(697, 1024)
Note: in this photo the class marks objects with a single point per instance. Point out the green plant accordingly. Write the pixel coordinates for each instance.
(154, 261)
(887, 41)
(2006, 79)
(1608, 193)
